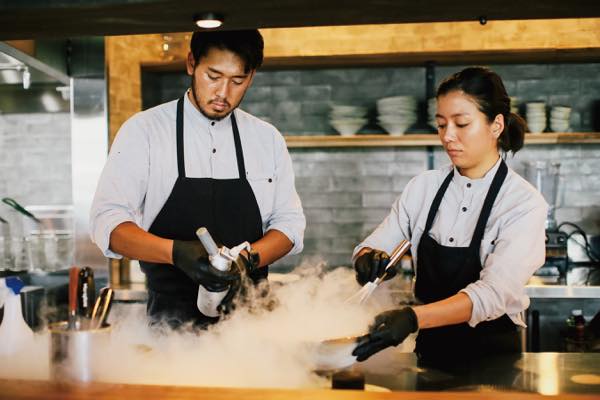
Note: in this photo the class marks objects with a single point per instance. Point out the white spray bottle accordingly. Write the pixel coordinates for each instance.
(14, 331)
(221, 259)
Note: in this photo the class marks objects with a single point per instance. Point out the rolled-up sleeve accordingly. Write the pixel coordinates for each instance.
(287, 216)
(519, 251)
(394, 228)
(122, 185)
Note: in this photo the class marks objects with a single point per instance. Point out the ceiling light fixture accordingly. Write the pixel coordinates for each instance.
(208, 20)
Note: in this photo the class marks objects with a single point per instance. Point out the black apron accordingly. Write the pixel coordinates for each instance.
(226, 207)
(442, 272)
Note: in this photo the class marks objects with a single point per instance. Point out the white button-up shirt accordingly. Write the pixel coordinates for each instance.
(513, 245)
(142, 168)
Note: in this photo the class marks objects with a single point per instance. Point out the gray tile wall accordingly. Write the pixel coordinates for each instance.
(296, 101)
(35, 159)
(346, 193)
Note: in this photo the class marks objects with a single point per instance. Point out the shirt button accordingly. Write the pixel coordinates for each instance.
(213, 123)
(464, 208)
(214, 151)
(451, 240)
(270, 180)
(468, 185)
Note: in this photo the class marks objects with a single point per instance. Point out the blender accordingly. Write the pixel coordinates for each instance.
(545, 176)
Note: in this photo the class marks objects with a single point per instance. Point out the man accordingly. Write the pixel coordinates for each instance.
(199, 161)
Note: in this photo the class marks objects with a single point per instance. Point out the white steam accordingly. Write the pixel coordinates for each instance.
(270, 343)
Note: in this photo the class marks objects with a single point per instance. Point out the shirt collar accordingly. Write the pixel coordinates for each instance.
(485, 180)
(195, 115)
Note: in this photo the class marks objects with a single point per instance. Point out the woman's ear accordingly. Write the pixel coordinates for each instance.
(498, 125)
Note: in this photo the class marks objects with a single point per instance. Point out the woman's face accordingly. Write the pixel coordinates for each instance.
(466, 134)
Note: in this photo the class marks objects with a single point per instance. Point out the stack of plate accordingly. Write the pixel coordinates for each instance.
(396, 114)
(514, 105)
(536, 116)
(559, 119)
(431, 111)
(347, 120)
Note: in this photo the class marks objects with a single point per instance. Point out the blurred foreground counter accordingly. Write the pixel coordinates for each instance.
(390, 375)
(102, 391)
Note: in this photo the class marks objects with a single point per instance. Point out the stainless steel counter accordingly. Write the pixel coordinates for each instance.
(536, 290)
(543, 373)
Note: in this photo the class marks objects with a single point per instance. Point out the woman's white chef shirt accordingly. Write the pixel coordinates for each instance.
(513, 245)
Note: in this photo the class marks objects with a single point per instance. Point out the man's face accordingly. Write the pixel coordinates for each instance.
(218, 82)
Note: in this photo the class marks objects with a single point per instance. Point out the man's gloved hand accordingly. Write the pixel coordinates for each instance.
(242, 267)
(371, 265)
(389, 329)
(192, 259)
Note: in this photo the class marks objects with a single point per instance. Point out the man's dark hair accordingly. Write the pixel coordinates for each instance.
(247, 44)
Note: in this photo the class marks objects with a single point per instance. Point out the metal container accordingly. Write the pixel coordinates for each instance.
(72, 352)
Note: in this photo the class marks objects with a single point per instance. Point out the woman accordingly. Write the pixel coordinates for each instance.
(476, 229)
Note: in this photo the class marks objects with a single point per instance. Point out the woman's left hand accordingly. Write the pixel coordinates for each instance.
(389, 329)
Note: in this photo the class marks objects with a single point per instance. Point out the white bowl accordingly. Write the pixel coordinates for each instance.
(335, 353)
(394, 129)
(348, 126)
(536, 128)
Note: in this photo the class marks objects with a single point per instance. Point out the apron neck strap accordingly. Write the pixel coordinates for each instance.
(488, 203)
(485, 210)
(180, 154)
(238, 147)
(180, 158)
(437, 201)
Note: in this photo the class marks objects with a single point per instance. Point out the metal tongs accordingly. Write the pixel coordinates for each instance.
(365, 292)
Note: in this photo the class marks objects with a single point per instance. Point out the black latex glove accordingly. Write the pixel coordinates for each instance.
(389, 329)
(242, 267)
(371, 265)
(192, 259)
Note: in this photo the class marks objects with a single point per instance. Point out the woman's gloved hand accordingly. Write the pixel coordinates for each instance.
(371, 265)
(192, 259)
(389, 329)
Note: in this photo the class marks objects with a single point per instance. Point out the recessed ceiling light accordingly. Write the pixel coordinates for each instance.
(208, 20)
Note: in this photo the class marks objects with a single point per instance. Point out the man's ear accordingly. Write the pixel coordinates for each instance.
(190, 63)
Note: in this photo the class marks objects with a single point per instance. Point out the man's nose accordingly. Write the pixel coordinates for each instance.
(223, 89)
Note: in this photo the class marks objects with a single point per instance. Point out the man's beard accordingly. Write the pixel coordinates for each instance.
(199, 105)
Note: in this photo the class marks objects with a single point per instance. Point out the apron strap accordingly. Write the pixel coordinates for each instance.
(180, 154)
(179, 129)
(238, 147)
(488, 204)
(437, 201)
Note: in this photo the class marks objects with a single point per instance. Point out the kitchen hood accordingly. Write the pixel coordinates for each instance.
(29, 85)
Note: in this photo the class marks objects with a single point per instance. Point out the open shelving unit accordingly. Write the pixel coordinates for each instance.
(417, 140)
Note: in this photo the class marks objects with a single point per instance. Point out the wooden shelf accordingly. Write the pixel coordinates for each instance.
(416, 140)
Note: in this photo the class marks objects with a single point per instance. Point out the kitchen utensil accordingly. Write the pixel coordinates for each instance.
(86, 292)
(102, 309)
(73, 285)
(72, 352)
(332, 354)
(363, 294)
(545, 176)
(13, 203)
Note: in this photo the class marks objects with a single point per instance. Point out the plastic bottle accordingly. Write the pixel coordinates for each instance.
(220, 258)
(14, 331)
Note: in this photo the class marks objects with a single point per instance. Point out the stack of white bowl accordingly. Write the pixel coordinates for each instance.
(536, 116)
(396, 114)
(559, 119)
(346, 119)
(431, 111)
(514, 105)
